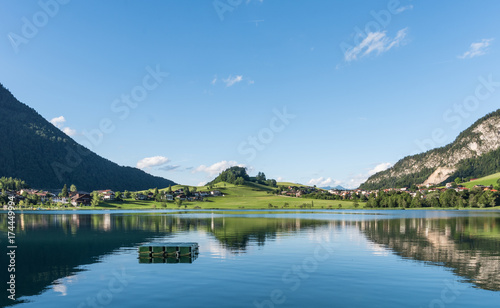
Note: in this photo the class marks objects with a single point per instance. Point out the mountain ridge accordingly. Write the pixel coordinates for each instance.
(475, 152)
(34, 150)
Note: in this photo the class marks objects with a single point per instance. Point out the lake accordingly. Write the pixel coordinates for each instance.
(257, 259)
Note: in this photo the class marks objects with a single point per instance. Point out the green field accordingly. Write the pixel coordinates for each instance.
(286, 184)
(486, 181)
(248, 196)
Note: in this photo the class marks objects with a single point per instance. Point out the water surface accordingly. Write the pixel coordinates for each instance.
(259, 259)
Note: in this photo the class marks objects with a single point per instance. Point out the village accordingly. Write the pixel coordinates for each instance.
(63, 198)
(32, 197)
(423, 189)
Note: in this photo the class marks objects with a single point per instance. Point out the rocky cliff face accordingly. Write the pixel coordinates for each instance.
(436, 166)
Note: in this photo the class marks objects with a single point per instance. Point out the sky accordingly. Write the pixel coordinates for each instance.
(315, 92)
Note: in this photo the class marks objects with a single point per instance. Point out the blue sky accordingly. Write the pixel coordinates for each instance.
(319, 92)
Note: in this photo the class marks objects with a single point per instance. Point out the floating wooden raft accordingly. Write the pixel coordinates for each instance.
(170, 260)
(185, 251)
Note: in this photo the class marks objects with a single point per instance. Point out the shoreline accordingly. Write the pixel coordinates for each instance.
(497, 208)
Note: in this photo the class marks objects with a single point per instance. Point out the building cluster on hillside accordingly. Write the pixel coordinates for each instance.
(73, 198)
(81, 198)
(180, 194)
(296, 191)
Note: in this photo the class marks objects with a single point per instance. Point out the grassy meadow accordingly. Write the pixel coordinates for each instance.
(486, 181)
(248, 196)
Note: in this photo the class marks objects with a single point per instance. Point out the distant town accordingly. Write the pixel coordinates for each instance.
(27, 197)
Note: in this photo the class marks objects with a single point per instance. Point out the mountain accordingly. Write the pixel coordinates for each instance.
(474, 153)
(338, 187)
(33, 149)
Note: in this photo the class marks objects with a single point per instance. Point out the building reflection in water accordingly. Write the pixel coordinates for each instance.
(470, 246)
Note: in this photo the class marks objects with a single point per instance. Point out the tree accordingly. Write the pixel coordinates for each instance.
(186, 191)
(458, 181)
(416, 202)
(460, 202)
(158, 197)
(64, 191)
(126, 194)
(261, 177)
(473, 200)
(239, 181)
(271, 182)
(493, 199)
(118, 196)
(482, 201)
(169, 189)
(435, 202)
(96, 199)
(73, 188)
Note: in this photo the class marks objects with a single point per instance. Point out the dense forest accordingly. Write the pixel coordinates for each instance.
(35, 150)
(475, 198)
(12, 184)
(239, 176)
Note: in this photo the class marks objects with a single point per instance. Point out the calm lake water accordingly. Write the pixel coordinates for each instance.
(258, 259)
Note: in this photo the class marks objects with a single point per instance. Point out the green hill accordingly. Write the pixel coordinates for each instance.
(248, 196)
(36, 151)
(485, 181)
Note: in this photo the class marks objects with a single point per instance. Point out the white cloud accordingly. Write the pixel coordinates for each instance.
(58, 122)
(231, 81)
(321, 182)
(377, 42)
(69, 131)
(152, 162)
(477, 49)
(380, 167)
(217, 167)
(359, 179)
(404, 8)
(279, 179)
(214, 81)
(202, 183)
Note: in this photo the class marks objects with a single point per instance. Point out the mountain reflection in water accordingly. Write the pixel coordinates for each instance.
(54, 246)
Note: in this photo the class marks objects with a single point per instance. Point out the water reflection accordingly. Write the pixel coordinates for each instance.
(52, 248)
(470, 246)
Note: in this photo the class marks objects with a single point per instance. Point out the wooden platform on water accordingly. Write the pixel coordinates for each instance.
(168, 252)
